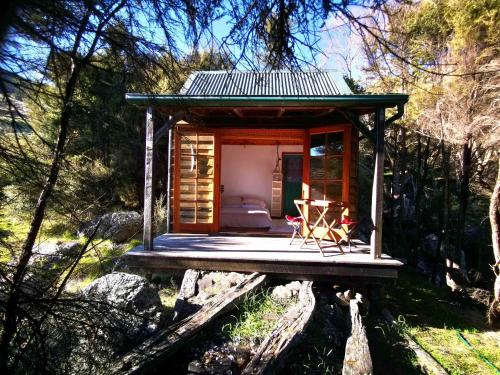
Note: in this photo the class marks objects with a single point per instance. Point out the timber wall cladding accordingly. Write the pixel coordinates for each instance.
(353, 176)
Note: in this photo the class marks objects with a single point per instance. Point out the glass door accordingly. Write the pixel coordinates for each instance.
(196, 181)
(326, 168)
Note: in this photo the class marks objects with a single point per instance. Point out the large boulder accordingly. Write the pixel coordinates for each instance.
(117, 226)
(134, 301)
(49, 261)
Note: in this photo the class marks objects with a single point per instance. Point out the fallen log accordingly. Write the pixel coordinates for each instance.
(164, 343)
(275, 347)
(429, 364)
(187, 290)
(357, 359)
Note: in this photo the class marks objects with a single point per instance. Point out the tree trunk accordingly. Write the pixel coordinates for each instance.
(422, 170)
(11, 313)
(444, 246)
(494, 310)
(274, 348)
(395, 195)
(465, 170)
(9, 323)
(357, 360)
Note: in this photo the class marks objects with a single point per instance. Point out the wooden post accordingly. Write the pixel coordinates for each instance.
(169, 173)
(148, 182)
(378, 185)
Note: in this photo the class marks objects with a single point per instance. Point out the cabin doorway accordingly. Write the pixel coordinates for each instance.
(292, 182)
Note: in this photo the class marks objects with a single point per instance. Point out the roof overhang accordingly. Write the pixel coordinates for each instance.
(339, 101)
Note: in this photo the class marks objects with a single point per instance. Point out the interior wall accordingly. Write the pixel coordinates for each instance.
(247, 169)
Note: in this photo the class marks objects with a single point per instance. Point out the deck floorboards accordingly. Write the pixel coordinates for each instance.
(261, 254)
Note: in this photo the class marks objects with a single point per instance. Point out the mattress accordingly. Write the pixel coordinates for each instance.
(245, 216)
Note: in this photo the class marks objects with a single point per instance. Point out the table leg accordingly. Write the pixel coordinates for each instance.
(311, 233)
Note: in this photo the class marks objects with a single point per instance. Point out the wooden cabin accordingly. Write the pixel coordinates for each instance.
(243, 146)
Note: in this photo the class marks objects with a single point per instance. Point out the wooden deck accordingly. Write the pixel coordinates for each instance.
(265, 254)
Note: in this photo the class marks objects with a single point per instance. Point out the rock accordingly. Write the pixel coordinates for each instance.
(133, 300)
(212, 283)
(285, 292)
(294, 287)
(49, 260)
(230, 280)
(219, 361)
(56, 251)
(281, 293)
(117, 226)
(206, 285)
(196, 367)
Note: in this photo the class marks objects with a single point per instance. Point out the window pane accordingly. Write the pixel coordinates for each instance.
(334, 191)
(317, 167)
(317, 190)
(187, 212)
(313, 215)
(206, 145)
(205, 189)
(317, 147)
(188, 166)
(188, 189)
(334, 167)
(333, 213)
(204, 212)
(335, 143)
(188, 144)
(205, 166)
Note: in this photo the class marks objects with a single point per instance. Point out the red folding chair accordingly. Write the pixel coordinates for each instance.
(352, 226)
(296, 224)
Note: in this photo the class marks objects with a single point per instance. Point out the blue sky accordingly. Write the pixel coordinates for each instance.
(338, 46)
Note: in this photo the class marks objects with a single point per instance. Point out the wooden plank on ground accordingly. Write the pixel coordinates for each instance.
(164, 343)
(429, 364)
(357, 359)
(275, 347)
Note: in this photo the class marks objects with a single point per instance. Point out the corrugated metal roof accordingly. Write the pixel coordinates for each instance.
(274, 83)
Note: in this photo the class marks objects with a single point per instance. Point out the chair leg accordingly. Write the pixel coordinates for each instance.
(293, 237)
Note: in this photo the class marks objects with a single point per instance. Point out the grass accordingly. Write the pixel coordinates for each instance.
(99, 260)
(433, 316)
(255, 319)
(168, 296)
(100, 257)
(389, 353)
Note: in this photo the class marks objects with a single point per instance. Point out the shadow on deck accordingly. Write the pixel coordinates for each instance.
(266, 254)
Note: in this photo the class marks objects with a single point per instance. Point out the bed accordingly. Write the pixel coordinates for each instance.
(245, 212)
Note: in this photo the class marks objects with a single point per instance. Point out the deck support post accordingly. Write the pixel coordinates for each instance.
(169, 174)
(378, 185)
(148, 182)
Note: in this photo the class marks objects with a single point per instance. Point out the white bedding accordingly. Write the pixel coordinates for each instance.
(245, 216)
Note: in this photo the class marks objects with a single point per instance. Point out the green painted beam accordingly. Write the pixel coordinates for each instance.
(181, 101)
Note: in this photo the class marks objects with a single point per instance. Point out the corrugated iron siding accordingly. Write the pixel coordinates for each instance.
(278, 83)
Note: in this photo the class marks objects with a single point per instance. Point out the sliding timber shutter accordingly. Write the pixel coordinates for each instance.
(196, 208)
